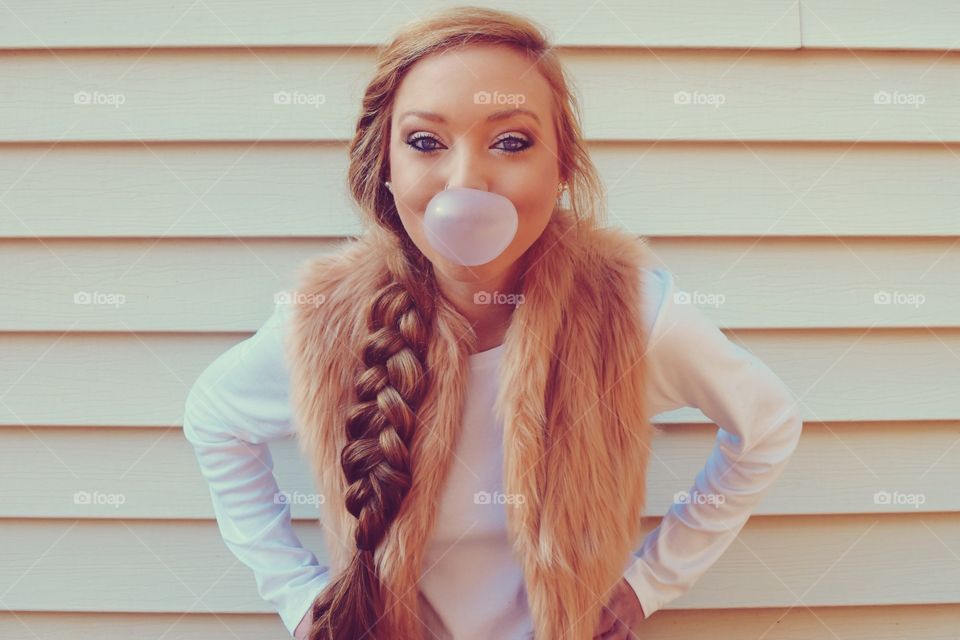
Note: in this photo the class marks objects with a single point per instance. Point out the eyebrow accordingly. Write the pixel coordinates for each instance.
(496, 115)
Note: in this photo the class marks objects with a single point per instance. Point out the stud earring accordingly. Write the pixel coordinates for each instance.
(387, 183)
(561, 188)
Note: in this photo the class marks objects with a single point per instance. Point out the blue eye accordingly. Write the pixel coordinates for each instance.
(413, 143)
(525, 144)
(513, 149)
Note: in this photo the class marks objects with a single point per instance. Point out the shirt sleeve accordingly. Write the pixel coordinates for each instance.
(237, 405)
(692, 363)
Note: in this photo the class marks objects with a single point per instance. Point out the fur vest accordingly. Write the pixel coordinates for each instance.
(571, 401)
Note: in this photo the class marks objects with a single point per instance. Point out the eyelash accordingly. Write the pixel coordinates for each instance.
(411, 142)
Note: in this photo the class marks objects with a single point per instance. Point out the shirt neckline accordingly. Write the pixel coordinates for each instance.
(483, 359)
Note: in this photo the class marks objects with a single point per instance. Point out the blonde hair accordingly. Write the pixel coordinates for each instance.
(394, 379)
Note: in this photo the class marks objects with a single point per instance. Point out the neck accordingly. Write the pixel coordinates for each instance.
(488, 303)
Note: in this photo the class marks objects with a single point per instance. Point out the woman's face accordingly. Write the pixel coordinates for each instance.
(483, 120)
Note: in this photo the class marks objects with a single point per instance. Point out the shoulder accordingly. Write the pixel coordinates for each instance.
(243, 392)
(253, 360)
(621, 258)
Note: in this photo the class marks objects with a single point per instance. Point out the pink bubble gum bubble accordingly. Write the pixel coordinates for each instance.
(470, 226)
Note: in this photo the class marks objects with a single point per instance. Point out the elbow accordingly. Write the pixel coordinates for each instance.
(193, 415)
(781, 442)
(795, 422)
(789, 419)
(791, 429)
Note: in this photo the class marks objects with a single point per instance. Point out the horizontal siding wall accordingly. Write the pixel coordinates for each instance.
(216, 189)
(155, 471)
(191, 197)
(627, 95)
(164, 565)
(185, 23)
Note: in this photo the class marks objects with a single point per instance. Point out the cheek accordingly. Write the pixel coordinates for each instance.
(412, 205)
(533, 187)
(412, 220)
(412, 188)
(535, 202)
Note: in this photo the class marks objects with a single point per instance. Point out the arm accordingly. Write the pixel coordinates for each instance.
(237, 405)
(691, 363)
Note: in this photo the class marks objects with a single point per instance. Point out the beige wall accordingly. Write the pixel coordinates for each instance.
(183, 197)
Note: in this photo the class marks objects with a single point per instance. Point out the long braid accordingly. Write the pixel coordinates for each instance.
(376, 457)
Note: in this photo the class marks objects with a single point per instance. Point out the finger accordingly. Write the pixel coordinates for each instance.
(618, 632)
(607, 620)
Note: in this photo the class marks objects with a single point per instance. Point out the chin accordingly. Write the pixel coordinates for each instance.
(461, 273)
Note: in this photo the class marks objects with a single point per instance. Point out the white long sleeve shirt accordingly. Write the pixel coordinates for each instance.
(240, 403)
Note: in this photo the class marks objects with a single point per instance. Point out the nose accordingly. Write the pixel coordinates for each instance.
(466, 169)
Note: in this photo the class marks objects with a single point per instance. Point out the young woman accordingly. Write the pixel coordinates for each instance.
(479, 427)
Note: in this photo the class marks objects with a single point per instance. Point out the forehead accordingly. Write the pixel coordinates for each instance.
(470, 82)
